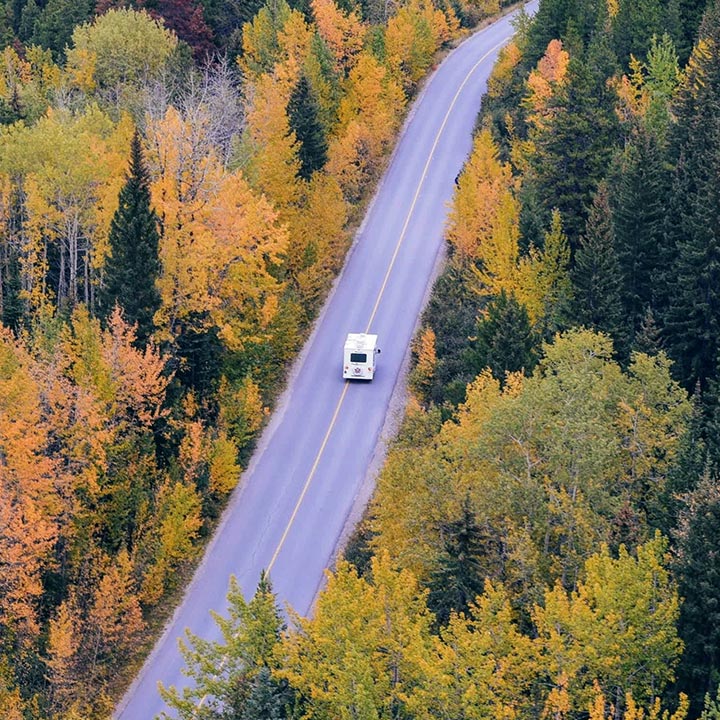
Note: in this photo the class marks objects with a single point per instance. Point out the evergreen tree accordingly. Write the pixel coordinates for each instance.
(692, 316)
(12, 305)
(269, 699)
(693, 324)
(53, 25)
(663, 75)
(226, 19)
(648, 338)
(697, 568)
(711, 414)
(684, 473)
(558, 19)
(635, 23)
(303, 113)
(133, 264)
(233, 674)
(639, 193)
(597, 276)
(452, 313)
(459, 576)
(689, 13)
(574, 150)
(505, 340)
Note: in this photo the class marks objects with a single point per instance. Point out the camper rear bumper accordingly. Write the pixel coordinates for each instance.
(358, 372)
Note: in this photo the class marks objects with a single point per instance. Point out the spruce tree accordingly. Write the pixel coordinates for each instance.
(133, 265)
(648, 339)
(597, 276)
(684, 473)
(269, 699)
(697, 569)
(693, 322)
(505, 339)
(639, 196)
(459, 575)
(574, 150)
(303, 113)
(636, 22)
(452, 313)
(711, 413)
(12, 304)
(559, 19)
(692, 235)
(690, 13)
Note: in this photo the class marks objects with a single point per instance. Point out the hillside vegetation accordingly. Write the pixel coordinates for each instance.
(179, 182)
(542, 541)
(178, 185)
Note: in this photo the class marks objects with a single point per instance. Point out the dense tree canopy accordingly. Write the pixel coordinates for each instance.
(178, 185)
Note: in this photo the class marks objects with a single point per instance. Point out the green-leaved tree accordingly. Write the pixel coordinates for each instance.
(133, 264)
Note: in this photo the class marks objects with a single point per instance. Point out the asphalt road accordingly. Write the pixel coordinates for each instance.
(295, 497)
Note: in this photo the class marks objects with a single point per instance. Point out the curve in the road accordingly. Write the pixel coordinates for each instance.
(295, 497)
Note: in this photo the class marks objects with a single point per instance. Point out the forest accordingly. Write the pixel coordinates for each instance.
(179, 183)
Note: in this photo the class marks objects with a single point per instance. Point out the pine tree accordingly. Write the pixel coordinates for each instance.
(459, 576)
(505, 340)
(133, 264)
(303, 113)
(597, 276)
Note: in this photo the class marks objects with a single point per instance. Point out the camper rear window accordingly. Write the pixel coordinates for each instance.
(358, 357)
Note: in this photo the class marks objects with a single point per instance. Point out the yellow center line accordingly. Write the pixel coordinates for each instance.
(403, 232)
(313, 470)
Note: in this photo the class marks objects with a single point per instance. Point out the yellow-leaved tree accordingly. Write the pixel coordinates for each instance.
(483, 667)
(30, 508)
(617, 631)
(342, 31)
(272, 162)
(364, 650)
(368, 117)
(544, 285)
(71, 166)
(218, 242)
(413, 35)
(483, 186)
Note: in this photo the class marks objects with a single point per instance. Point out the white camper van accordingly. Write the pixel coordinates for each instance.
(359, 356)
